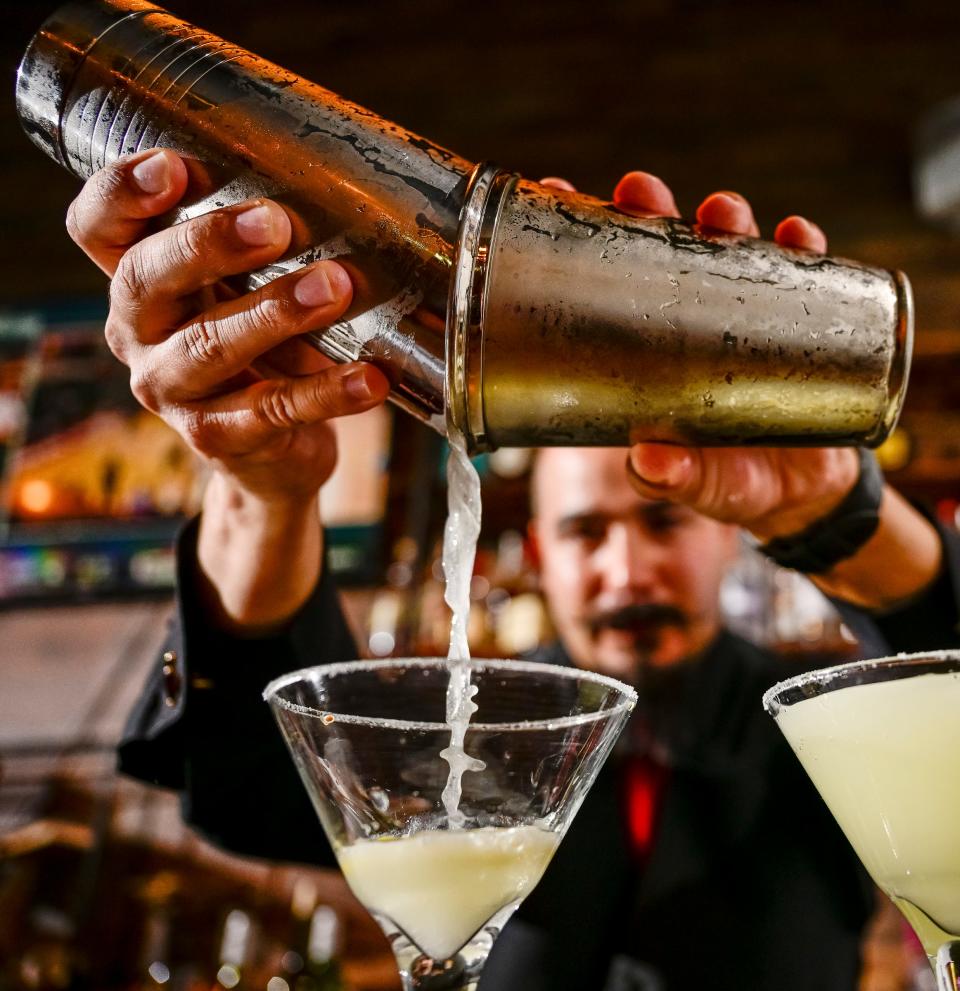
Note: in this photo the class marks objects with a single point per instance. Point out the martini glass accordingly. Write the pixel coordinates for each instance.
(881, 741)
(366, 737)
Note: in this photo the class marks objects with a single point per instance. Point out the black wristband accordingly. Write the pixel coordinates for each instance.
(839, 534)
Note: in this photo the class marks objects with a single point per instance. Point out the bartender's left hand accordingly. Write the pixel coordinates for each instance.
(771, 491)
(776, 492)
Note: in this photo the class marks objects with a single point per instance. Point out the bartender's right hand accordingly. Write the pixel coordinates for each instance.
(220, 370)
(228, 374)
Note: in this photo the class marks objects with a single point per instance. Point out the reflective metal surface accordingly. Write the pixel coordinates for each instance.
(104, 79)
(599, 327)
(533, 316)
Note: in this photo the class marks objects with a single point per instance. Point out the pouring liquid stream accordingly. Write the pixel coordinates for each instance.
(459, 549)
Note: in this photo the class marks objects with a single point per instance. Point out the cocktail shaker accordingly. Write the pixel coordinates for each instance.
(519, 314)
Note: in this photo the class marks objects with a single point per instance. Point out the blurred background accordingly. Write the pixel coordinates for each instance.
(846, 113)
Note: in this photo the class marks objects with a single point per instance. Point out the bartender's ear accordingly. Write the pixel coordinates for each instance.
(534, 523)
(732, 541)
(533, 543)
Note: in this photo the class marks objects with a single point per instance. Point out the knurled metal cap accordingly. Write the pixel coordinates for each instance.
(55, 53)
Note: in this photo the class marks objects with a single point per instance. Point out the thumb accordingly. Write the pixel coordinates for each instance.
(664, 471)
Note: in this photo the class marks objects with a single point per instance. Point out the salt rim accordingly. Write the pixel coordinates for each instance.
(828, 674)
(347, 667)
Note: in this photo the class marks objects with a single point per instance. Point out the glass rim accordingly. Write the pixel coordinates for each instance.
(821, 677)
(625, 704)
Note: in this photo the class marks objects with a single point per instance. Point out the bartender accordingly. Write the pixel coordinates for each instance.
(229, 374)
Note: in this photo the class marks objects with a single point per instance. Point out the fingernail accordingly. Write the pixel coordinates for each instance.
(314, 288)
(645, 191)
(798, 232)
(259, 225)
(356, 386)
(152, 175)
(662, 466)
(808, 227)
(555, 182)
(726, 211)
(733, 202)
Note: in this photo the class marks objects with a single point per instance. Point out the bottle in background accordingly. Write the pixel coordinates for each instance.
(236, 947)
(322, 970)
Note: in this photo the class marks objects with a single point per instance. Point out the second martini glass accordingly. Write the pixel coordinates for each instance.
(366, 737)
(881, 741)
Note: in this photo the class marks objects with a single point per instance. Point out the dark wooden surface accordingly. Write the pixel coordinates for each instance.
(807, 107)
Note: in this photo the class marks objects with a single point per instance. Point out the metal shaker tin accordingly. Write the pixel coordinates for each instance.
(525, 315)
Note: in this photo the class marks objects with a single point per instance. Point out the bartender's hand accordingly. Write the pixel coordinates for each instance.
(777, 492)
(227, 372)
(772, 491)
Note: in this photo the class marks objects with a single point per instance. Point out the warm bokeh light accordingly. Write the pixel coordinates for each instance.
(36, 496)
(895, 452)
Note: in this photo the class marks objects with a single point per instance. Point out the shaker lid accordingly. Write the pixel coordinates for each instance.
(55, 53)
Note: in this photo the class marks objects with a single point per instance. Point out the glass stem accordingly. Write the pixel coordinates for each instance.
(461, 973)
(948, 966)
(415, 985)
(438, 980)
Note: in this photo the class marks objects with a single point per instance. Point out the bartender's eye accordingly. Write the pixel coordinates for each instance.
(663, 519)
(588, 529)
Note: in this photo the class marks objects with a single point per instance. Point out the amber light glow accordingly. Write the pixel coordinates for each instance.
(36, 496)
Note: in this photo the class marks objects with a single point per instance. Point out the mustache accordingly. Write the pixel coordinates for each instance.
(648, 614)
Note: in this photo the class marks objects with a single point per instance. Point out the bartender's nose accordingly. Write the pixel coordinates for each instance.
(628, 561)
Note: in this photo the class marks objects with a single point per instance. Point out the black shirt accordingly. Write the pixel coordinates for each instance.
(749, 885)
